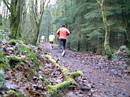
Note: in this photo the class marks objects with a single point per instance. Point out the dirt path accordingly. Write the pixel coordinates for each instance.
(102, 78)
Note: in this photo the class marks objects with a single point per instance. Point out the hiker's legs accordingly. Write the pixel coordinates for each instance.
(51, 44)
(62, 44)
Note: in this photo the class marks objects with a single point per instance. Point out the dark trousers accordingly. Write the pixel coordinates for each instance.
(62, 43)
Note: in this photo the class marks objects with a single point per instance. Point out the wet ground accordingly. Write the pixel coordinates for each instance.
(30, 76)
(102, 77)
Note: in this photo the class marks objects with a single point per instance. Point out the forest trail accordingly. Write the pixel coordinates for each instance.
(102, 78)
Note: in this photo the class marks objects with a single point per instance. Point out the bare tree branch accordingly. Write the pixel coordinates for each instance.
(7, 4)
(46, 3)
(98, 1)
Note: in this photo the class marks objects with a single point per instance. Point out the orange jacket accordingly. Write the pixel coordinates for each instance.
(63, 33)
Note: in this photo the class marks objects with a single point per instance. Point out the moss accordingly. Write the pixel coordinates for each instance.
(65, 71)
(29, 73)
(33, 58)
(54, 89)
(23, 49)
(12, 42)
(17, 58)
(4, 66)
(108, 51)
(14, 60)
(69, 78)
(13, 93)
(76, 74)
(3, 61)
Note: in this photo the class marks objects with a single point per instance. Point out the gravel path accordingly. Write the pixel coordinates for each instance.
(102, 78)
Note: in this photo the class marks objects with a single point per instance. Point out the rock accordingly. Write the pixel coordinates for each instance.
(122, 54)
(123, 95)
(100, 95)
(10, 85)
(86, 87)
(114, 71)
(71, 94)
(128, 68)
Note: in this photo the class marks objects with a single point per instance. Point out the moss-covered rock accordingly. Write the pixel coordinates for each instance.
(123, 53)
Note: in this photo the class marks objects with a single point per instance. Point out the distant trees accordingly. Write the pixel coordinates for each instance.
(25, 18)
(38, 16)
(100, 26)
(96, 25)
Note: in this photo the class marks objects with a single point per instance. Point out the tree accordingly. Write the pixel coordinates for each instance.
(15, 7)
(125, 17)
(38, 17)
(107, 29)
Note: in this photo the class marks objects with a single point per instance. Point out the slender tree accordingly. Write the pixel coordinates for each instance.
(107, 28)
(38, 16)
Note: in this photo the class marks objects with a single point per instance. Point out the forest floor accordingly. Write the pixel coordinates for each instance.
(101, 77)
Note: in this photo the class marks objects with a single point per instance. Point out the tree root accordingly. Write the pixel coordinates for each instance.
(68, 81)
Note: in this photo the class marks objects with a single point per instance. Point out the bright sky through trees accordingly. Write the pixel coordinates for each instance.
(52, 2)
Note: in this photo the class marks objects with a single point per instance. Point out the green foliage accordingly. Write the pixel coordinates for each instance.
(69, 82)
(13, 61)
(53, 90)
(12, 42)
(3, 61)
(23, 50)
(33, 58)
(84, 19)
(13, 93)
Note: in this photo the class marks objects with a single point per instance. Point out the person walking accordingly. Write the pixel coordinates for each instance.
(51, 40)
(63, 33)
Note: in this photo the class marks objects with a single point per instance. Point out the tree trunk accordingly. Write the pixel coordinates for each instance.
(38, 18)
(15, 9)
(125, 22)
(78, 45)
(107, 30)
